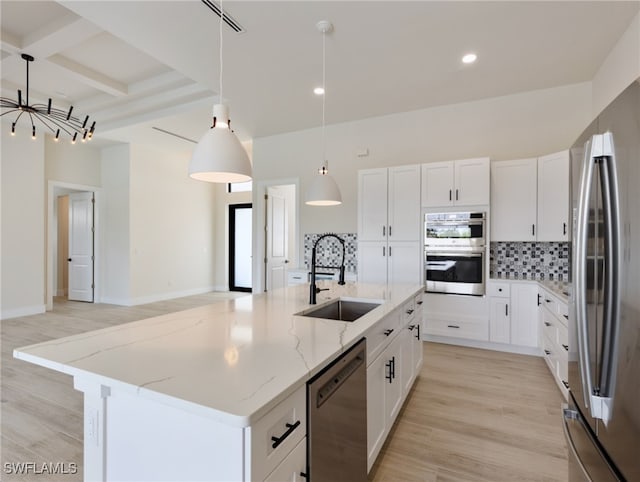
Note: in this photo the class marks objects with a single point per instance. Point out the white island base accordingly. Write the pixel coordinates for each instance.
(218, 393)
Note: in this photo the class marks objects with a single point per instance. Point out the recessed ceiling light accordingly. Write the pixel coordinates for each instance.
(318, 91)
(469, 58)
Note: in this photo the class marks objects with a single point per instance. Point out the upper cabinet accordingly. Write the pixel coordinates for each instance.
(456, 183)
(513, 200)
(389, 204)
(530, 199)
(553, 197)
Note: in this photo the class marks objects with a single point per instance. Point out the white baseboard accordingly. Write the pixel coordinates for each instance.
(485, 345)
(219, 288)
(23, 311)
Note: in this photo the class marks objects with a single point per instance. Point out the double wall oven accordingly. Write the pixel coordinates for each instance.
(455, 246)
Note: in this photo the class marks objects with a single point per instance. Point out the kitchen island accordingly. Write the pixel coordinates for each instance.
(200, 394)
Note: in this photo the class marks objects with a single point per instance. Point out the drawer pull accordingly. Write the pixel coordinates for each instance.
(547, 352)
(548, 301)
(566, 317)
(303, 475)
(453, 326)
(409, 312)
(388, 332)
(546, 323)
(565, 384)
(419, 302)
(290, 428)
(566, 347)
(411, 327)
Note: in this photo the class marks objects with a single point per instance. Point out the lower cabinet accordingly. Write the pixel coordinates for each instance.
(391, 374)
(554, 338)
(294, 467)
(513, 313)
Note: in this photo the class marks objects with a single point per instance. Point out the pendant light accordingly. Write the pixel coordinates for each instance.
(219, 156)
(323, 190)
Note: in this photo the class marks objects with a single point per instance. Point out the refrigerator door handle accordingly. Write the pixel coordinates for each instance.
(573, 415)
(612, 286)
(582, 227)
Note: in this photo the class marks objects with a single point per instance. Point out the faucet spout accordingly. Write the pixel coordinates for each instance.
(313, 289)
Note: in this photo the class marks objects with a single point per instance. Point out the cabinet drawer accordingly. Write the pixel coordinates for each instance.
(296, 277)
(550, 325)
(474, 330)
(286, 422)
(381, 334)
(549, 349)
(292, 466)
(498, 289)
(408, 312)
(563, 337)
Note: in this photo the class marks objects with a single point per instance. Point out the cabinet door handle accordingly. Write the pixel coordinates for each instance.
(384, 230)
(566, 347)
(390, 375)
(547, 352)
(393, 367)
(389, 250)
(456, 194)
(290, 428)
(450, 199)
(384, 251)
(388, 332)
(533, 229)
(539, 296)
(506, 310)
(389, 230)
(418, 333)
(453, 326)
(564, 228)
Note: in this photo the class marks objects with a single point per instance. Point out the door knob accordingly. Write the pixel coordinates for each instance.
(68, 259)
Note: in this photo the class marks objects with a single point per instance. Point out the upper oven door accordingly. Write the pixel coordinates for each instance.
(454, 229)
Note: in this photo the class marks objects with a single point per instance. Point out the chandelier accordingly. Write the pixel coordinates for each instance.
(54, 119)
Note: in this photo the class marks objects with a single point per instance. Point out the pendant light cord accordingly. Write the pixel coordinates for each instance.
(221, 22)
(324, 60)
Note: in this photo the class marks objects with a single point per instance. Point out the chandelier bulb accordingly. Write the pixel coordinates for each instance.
(33, 132)
(73, 141)
(13, 128)
(57, 137)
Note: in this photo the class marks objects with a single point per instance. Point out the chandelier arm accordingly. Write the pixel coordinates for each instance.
(46, 124)
(61, 125)
(9, 112)
(63, 119)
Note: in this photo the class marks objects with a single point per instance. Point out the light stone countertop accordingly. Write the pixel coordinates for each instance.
(231, 361)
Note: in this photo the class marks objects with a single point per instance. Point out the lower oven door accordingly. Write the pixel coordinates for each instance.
(459, 272)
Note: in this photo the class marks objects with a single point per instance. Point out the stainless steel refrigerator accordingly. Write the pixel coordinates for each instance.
(602, 419)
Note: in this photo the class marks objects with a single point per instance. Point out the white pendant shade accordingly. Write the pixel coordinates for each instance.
(323, 191)
(219, 157)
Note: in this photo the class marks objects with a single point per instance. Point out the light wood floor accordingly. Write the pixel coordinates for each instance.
(473, 415)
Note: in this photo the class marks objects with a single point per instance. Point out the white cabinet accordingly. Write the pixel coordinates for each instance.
(455, 183)
(416, 333)
(391, 371)
(513, 200)
(296, 277)
(457, 316)
(554, 339)
(293, 466)
(513, 313)
(553, 197)
(389, 248)
(524, 326)
(530, 199)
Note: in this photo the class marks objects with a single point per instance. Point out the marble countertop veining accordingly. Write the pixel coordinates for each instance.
(231, 361)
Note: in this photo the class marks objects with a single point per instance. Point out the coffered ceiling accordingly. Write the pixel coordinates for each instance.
(134, 65)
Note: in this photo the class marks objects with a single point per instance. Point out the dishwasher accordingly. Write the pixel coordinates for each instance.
(337, 419)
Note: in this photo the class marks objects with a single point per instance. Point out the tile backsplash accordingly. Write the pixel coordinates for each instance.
(329, 251)
(538, 261)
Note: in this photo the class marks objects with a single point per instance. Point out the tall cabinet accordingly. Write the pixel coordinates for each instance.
(389, 248)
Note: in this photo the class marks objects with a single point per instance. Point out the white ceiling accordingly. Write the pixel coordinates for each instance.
(133, 65)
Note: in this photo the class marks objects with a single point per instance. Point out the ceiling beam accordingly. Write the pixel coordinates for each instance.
(58, 35)
(89, 76)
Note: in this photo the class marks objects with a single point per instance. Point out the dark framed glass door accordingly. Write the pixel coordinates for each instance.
(240, 238)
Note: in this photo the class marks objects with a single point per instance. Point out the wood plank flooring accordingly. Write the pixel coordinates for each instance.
(473, 415)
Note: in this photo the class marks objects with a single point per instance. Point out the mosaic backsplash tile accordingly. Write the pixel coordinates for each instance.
(329, 251)
(536, 261)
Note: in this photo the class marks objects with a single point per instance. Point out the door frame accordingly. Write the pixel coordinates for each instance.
(52, 225)
(259, 223)
(232, 248)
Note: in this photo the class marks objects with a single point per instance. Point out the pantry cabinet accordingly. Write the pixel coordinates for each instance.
(530, 199)
(389, 248)
(455, 183)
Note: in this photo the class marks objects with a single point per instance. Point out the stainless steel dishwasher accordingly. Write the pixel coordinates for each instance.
(337, 419)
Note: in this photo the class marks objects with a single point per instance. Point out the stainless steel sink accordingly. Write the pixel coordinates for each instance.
(342, 310)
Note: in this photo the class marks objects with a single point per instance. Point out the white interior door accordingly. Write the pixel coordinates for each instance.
(277, 239)
(81, 246)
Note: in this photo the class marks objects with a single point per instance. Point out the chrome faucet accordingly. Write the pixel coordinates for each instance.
(313, 289)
